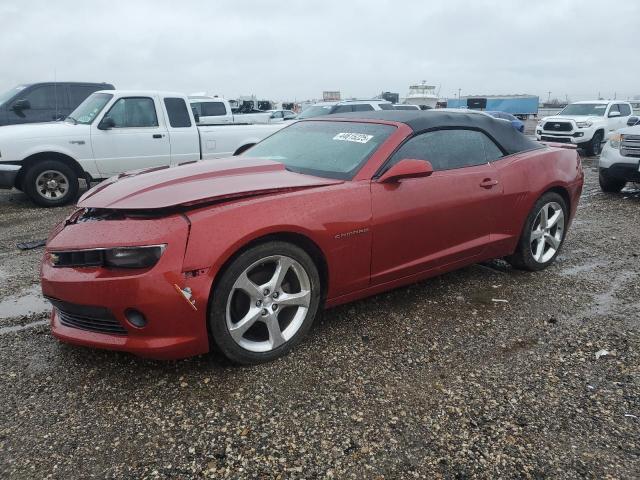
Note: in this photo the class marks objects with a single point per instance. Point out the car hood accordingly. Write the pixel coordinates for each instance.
(577, 118)
(635, 130)
(42, 130)
(197, 183)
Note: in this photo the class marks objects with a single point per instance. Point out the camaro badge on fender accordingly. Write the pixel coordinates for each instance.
(359, 231)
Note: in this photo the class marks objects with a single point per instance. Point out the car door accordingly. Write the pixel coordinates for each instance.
(424, 223)
(614, 118)
(138, 140)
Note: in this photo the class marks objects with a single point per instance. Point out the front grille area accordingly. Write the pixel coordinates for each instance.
(630, 146)
(558, 126)
(84, 317)
(556, 139)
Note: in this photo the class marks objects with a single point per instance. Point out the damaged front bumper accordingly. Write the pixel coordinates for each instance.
(8, 174)
(158, 312)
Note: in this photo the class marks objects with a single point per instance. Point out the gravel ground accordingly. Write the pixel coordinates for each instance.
(437, 380)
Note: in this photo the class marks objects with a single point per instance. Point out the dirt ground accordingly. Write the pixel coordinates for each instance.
(482, 373)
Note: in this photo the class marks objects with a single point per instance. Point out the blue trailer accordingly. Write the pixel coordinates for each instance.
(522, 106)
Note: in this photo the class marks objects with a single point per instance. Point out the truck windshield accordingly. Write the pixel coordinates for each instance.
(315, 111)
(9, 94)
(593, 109)
(324, 149)
(88, 110)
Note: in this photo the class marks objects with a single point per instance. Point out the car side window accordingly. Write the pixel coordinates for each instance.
(363, 107)
(78, 93)
(178, 113)
(385, 106)
(343, 109)
(44, 97)
(449, 149)
(133, 112)
(213, 109)
(625, 110)
(614, 108)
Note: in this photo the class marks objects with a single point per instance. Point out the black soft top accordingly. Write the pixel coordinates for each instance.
(501, 131)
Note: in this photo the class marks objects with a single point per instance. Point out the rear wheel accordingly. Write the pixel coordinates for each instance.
(543, 234)
(608, 184)
(51, 183)
(595, 145)
(264, 303)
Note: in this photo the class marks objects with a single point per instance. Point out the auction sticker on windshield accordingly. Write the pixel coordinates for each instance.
(353, 137)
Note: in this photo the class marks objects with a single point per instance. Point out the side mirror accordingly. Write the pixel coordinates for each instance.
(106, 123)
(614, 114)
(196, 116)
(632, 121)
(21, 105)
(407, 168)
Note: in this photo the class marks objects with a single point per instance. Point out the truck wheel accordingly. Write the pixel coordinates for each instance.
(51, 183)
(608, 184)
(595, 145)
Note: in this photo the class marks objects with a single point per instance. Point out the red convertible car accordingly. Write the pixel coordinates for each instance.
(239, 254)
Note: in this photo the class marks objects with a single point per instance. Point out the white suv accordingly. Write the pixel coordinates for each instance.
(345, 106)
(585, 124)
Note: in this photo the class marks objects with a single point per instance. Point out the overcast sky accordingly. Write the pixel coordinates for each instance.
(286, 50)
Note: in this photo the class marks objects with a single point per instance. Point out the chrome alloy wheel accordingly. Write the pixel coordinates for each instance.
(268, 303)
(52, 184)
(547, 232)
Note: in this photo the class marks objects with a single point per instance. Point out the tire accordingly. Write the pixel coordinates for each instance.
(247, 322)
(63, 191)
(551, 235)
(594, 147)
(608, 184)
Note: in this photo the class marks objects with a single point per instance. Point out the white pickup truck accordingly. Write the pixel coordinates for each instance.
(109, 133)
(585, 124)
(217, 111)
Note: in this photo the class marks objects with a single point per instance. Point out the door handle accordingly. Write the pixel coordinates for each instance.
(157, 135)
(488, 183)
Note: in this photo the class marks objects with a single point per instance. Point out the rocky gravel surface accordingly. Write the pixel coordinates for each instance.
(486, 372)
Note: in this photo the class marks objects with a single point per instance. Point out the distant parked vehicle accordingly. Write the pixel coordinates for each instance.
(406, 107)
(112, 132)
(344, 106)
(515, 122)
(586, 124)
(522, 106)
(619, 161)
(277, 115)
(44, 102)
(218, 111)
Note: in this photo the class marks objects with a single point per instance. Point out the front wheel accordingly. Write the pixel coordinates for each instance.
(264, 303)
(595, 145)
(51, 183)
(608, 184)
(543, 234)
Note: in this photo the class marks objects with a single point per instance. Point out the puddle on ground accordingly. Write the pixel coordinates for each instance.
(17, 328)
(582, 268)
(26, 303)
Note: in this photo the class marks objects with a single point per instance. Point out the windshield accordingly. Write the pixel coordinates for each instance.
(88, 110)
(594, 109)
(9, 94)
(315, 111)
(323, 149)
